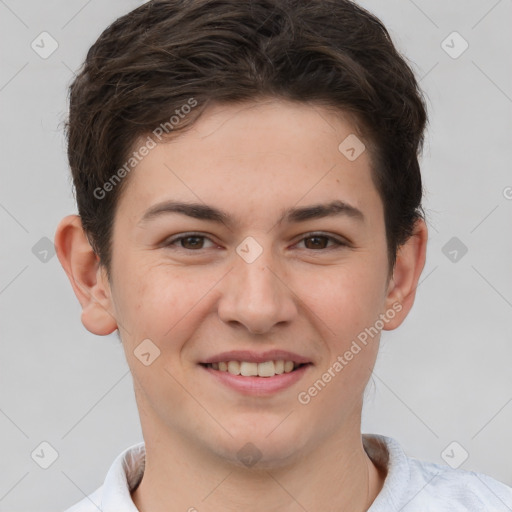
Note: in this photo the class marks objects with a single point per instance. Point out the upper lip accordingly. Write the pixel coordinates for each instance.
(256, 357)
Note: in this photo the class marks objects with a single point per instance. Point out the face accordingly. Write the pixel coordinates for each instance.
(284, 258)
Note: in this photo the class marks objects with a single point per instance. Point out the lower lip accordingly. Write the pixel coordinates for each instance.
(258, 385)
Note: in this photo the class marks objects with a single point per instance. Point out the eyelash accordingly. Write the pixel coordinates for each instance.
(337, 242)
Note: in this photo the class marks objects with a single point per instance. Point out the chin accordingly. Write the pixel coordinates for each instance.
(267, 445)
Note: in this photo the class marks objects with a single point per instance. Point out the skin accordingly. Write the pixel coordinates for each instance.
(308, 296)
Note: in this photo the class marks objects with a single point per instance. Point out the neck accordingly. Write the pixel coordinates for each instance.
(179, 475)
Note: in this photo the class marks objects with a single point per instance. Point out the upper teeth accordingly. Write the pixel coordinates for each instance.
(248, 369)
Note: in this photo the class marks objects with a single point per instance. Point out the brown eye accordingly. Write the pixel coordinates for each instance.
(190, 242)
(318, 241)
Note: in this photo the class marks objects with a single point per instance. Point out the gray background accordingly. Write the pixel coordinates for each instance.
(443, 376)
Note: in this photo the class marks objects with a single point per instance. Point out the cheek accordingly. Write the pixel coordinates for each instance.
(346, 299)
(164, 303)
(346, 304)
(148, 299)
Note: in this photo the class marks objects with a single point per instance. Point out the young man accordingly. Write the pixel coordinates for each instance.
(249, 193)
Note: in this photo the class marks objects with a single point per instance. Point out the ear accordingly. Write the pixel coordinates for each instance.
(88, 278)
(409, 264)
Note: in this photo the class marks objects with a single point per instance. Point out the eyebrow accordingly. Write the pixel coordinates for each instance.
(292, 215)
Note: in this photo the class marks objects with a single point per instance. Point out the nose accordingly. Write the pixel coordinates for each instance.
(257, 295)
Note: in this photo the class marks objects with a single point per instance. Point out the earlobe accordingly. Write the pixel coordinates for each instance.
(85, 274)
(410, 262)
(97, 319)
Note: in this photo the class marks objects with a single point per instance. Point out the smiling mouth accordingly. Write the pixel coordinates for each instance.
(252, 369)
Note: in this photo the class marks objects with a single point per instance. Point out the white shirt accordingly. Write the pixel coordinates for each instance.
(411, 485)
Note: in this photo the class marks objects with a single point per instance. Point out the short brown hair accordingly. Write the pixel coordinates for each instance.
(149, 63)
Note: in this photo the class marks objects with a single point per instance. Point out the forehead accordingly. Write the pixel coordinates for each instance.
(257, 155)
